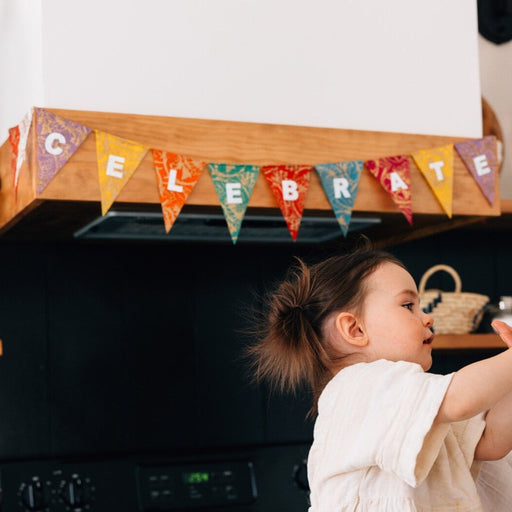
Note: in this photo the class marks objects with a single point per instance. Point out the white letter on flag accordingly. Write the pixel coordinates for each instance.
(171, 184)
(396, 182)
(340, 186)
(114, 165)
(290, 190)
(481, 165)
(49, 143)
(233, 193)
(437, 168)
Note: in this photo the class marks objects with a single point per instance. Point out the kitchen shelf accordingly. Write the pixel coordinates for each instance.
(460, 341)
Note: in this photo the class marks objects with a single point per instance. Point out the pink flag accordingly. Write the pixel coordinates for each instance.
(394, 175)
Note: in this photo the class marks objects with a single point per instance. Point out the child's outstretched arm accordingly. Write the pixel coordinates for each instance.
(485, 386)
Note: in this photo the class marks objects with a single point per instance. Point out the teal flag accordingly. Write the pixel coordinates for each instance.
(234, 185)
(340, 182)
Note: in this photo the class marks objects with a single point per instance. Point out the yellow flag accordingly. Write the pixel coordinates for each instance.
(436, 165)
(117, 161)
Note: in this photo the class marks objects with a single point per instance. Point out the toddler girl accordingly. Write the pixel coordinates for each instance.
(388, 436)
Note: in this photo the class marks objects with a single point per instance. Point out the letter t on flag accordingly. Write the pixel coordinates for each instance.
(436, 165)
(290, 184)
(394, 175)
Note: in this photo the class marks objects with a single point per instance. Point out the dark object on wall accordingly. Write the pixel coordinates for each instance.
(495, 20)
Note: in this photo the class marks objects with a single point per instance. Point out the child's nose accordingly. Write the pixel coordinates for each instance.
(428, 320)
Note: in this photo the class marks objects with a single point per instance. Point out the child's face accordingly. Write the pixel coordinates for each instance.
(396, 327)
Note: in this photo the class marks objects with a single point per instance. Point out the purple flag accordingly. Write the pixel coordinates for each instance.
(480, 157)
(57, 140)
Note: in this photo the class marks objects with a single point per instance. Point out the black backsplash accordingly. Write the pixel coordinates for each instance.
(129, 348)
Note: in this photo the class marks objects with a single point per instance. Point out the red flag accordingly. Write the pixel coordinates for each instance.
(394, 175)
(290, 185)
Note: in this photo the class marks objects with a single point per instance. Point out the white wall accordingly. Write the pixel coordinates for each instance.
(21, 84)
(401, 65)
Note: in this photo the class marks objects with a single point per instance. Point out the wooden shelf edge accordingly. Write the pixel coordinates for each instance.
(461, 341)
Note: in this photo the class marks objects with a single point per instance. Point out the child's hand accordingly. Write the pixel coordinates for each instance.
(504, 330)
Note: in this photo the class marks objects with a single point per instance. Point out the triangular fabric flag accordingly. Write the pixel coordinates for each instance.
(481, 158)
(340, 182)
(14, 142)
(290, 184)
(436, 165)
(176, 177)
(24, 128)
(234, 185)
(394, 175)
(117, 161)
(57, 139)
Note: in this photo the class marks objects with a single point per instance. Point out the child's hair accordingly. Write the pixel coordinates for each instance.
(291, 349)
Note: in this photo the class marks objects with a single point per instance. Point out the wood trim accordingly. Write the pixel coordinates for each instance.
(460, 341)
(237, 142)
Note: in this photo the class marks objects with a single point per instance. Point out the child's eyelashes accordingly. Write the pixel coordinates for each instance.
(408, 305)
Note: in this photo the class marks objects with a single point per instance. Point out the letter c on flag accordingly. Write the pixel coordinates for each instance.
(51, 147)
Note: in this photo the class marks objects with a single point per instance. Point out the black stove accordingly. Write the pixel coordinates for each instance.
(263, 479)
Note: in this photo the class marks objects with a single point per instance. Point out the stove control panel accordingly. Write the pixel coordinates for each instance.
(197, 485)
(56, 491)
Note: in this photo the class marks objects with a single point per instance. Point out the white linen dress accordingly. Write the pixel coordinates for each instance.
(376, 449)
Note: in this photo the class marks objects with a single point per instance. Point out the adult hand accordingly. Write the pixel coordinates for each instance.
(504, 330)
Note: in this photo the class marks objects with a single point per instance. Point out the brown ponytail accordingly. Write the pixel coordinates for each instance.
(291, 349)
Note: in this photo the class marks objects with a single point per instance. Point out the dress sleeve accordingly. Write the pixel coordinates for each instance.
(388, 411)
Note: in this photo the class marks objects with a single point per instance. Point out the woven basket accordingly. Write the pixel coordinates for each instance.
(453, 312)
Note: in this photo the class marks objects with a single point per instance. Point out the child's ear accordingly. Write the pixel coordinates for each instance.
(350, 329)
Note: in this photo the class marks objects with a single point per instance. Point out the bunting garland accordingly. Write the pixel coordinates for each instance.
(117, 161)
(234, 185)
(394, 175)
(436, 165)
(14, 142)
(480, 157)
(290, 184)
(57, 139)
(176, 177)
(340, 182)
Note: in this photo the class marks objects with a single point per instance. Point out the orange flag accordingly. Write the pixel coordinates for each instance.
(176, 176)
(290, 185)
(394, 175)
(117, 161)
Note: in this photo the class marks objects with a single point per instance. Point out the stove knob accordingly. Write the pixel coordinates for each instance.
(76, 493)
(34, 495)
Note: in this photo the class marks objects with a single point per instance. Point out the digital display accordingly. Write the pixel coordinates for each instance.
(196, 477)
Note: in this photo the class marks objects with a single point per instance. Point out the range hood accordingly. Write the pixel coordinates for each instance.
(211, 227)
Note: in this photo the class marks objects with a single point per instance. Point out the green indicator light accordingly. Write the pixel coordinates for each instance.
(196, 477)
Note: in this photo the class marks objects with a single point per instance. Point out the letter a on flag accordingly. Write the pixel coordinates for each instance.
(176, 176)
(436, 165)
(117, 161)
(290, 184)
(340, 182)
(57, 140)
(234, 185)
(394, 175)
(481, 159)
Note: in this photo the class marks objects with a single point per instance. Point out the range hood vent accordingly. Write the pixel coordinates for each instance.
(212, 228)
